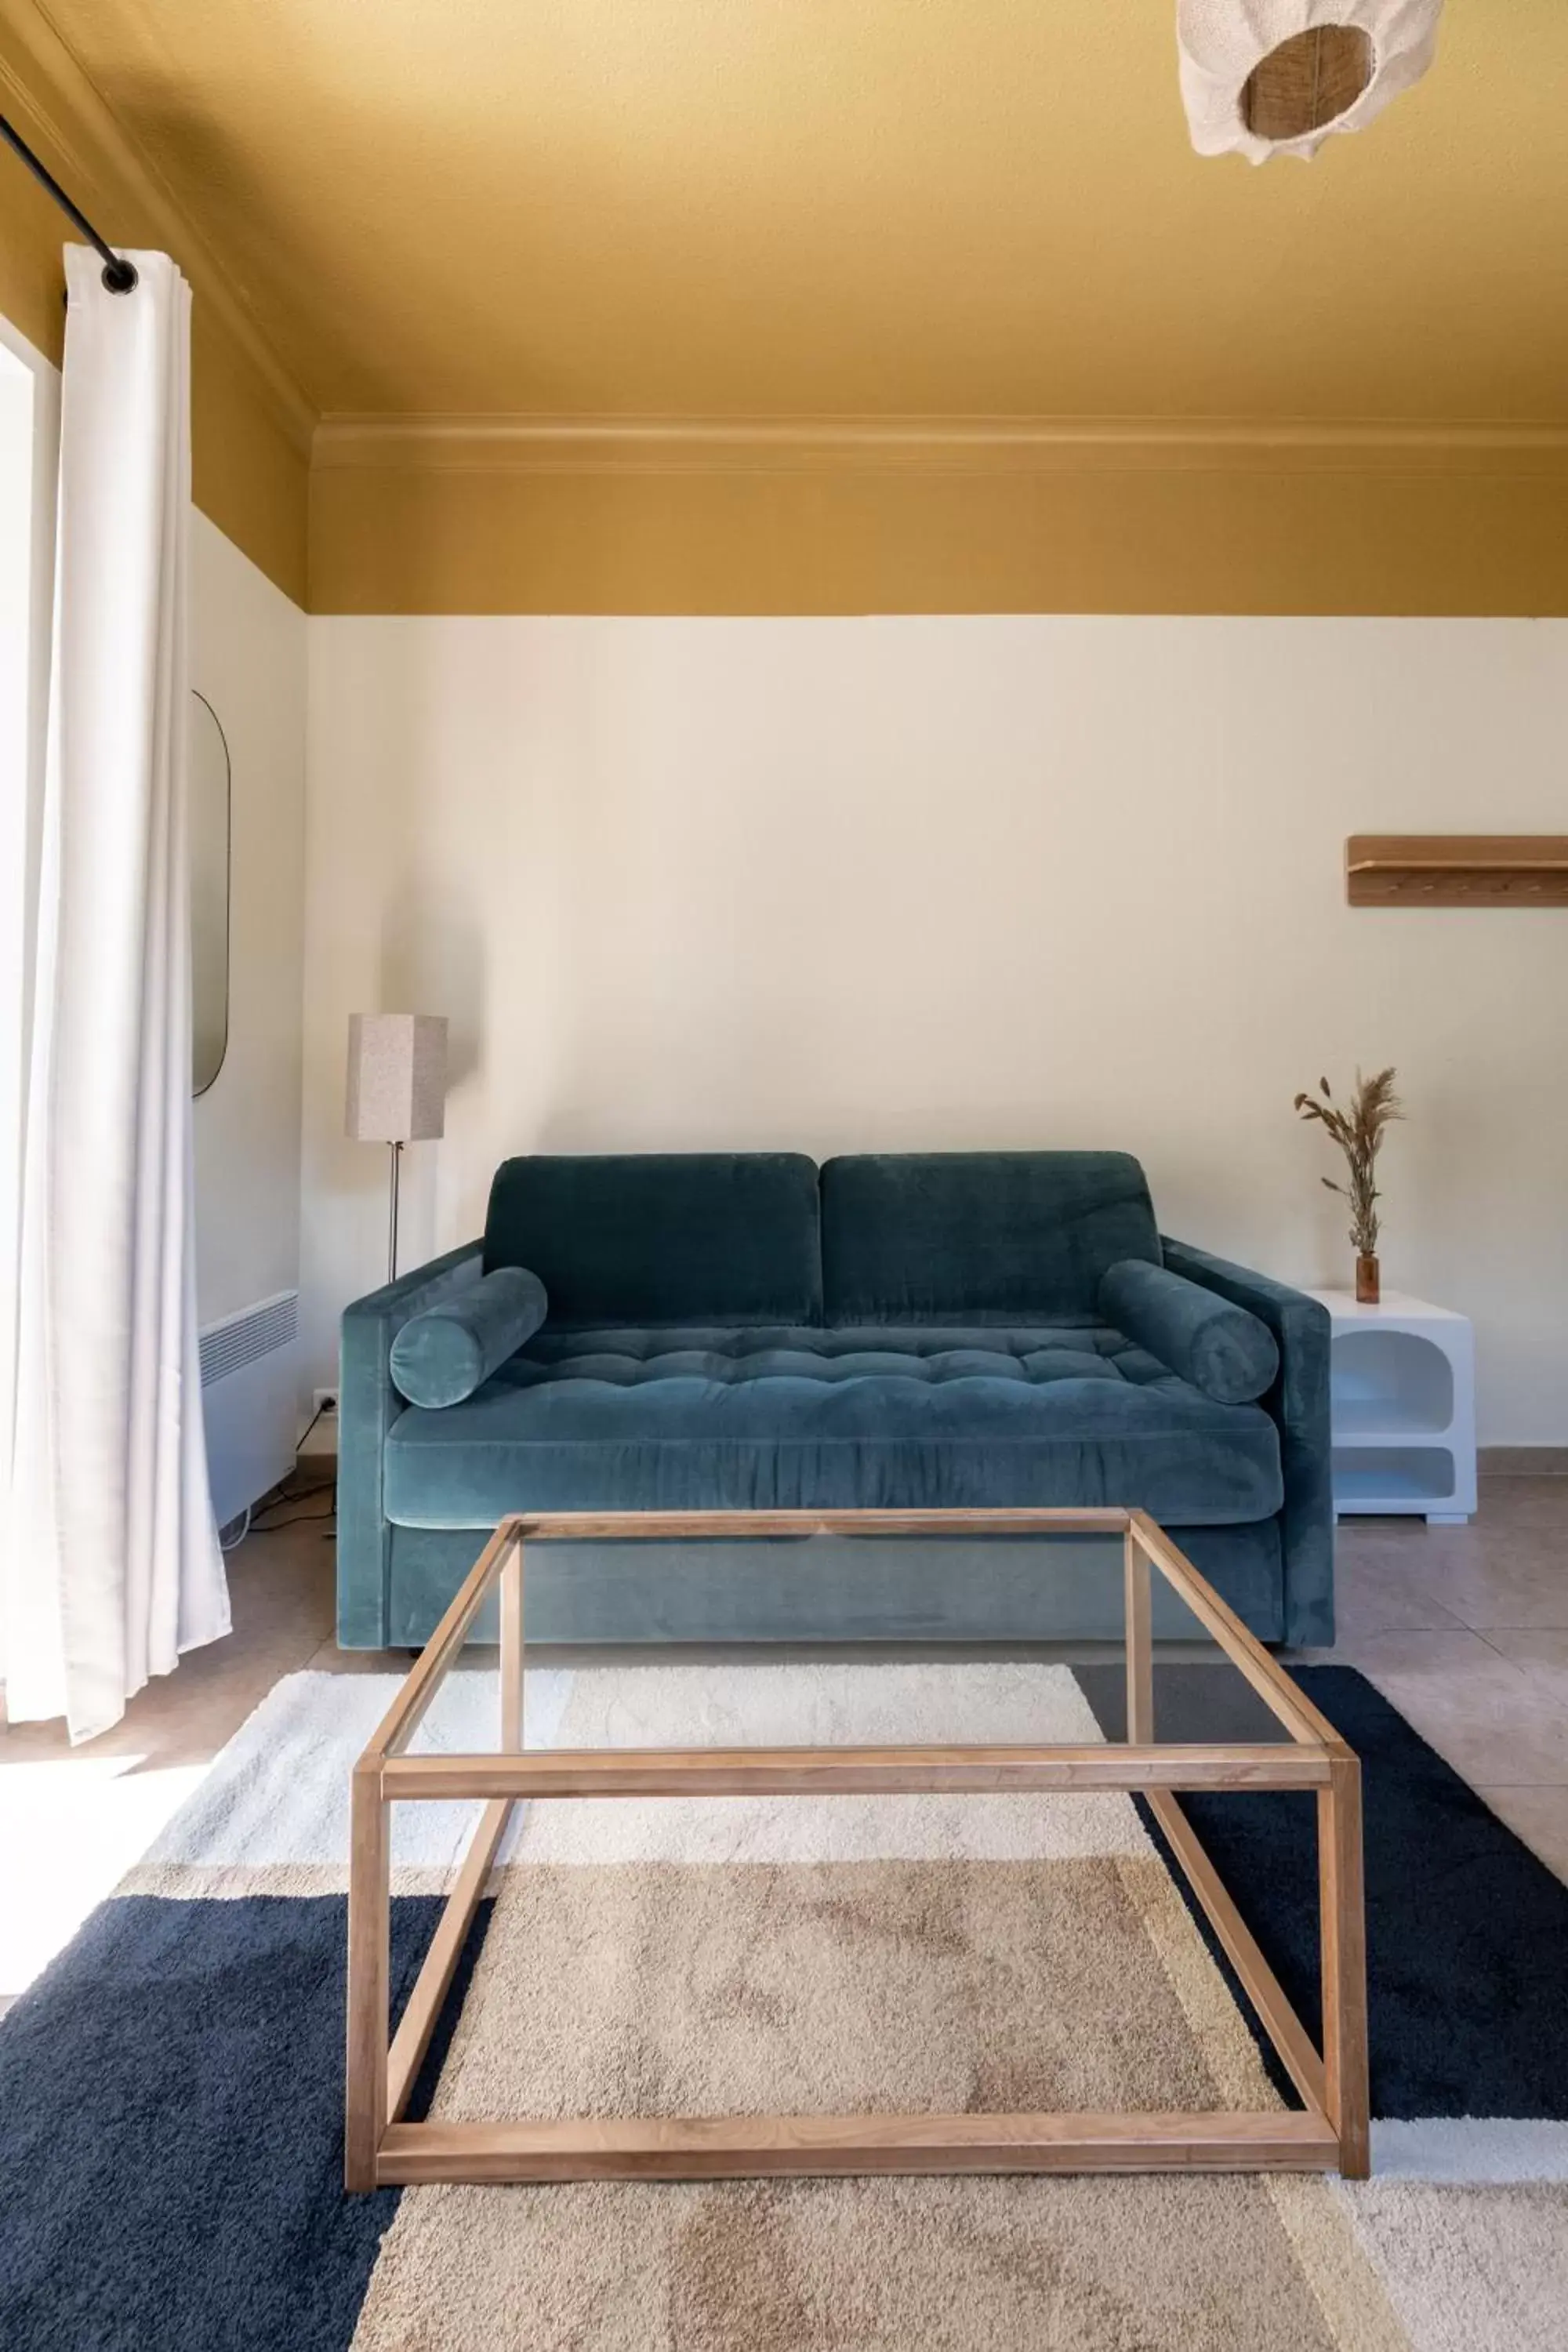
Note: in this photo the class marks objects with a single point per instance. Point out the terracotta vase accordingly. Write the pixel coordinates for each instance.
(1368, 1288)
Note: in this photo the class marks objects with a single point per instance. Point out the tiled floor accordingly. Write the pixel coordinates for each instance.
(1466, 1628)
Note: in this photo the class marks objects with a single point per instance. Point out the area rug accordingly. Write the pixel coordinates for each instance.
(171, 2089)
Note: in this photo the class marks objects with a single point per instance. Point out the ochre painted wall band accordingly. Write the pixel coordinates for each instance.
(443, 540)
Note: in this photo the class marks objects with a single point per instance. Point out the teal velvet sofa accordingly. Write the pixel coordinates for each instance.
(745, 1330)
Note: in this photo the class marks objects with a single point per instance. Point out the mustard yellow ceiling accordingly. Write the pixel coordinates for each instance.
(707, 207)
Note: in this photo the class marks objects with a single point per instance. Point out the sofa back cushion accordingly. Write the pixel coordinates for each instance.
(972, 1236)
(663, 1236)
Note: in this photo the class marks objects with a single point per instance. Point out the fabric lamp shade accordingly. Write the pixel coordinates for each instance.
(397, 1076)
(1262, 78)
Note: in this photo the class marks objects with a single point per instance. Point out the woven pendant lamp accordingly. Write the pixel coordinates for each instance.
(1262, 78)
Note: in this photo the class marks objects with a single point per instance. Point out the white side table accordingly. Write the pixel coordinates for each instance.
(1403, 1381)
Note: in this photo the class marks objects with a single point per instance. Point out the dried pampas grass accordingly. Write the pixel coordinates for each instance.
(1359, 1132)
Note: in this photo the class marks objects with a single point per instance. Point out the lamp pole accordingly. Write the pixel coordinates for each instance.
(396, 1149)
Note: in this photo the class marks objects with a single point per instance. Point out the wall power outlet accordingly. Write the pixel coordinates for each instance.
(323, 1401)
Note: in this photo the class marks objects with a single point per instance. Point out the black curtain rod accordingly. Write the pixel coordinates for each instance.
(118, 274)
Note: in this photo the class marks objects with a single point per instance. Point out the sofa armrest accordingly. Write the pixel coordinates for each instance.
(1298, 1404)
(368, 1404)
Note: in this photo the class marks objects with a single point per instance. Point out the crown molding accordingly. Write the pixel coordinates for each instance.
(919, 444)
(61, 113)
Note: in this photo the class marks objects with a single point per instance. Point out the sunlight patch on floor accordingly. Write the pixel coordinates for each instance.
(69, 1830)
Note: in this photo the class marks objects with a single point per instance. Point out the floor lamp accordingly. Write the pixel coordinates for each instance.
(397, 1090)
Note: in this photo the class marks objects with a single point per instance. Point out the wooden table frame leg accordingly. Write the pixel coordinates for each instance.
(370, 1923)
(1139, 1585)
(512, 1652)
(380, 2072)
(1342, 1905)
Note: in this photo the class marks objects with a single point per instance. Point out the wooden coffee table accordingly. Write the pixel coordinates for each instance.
(1305, 1751)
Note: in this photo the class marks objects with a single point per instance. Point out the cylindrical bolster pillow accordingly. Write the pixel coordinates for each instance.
(1221, 1349)
(442, 1356)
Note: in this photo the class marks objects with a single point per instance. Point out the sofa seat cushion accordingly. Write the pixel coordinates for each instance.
(936, 1418)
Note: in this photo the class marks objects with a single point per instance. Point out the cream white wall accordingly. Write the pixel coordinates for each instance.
(248, 657)
(905, 883)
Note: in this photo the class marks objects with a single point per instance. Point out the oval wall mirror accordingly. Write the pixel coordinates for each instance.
(209, 828)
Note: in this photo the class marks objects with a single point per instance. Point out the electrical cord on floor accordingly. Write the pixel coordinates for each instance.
(258, 1523)
(297, 1518)
(283, 1495)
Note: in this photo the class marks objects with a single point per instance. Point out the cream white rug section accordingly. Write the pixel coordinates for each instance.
(253, 1828)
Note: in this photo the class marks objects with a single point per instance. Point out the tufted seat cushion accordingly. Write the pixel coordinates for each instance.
(934, 1417)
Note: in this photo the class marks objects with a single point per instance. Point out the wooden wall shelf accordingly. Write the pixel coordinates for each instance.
(1457, 870)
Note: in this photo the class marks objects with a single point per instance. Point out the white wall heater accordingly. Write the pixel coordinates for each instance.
(250, 1401)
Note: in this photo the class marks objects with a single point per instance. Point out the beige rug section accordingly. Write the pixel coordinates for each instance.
(1006, 2265)
(897, 1986)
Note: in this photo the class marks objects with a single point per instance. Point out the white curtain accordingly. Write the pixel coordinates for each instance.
(115, 1569)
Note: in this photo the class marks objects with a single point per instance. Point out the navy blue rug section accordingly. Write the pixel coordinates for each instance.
(171, 2130)
(1466, 1929)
